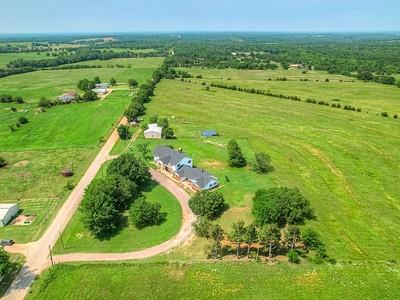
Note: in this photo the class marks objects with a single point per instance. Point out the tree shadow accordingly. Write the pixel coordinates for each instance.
(122, 224)
(150, 185)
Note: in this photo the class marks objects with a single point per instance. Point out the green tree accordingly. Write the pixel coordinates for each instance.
(311, 239)
(153, 119)
(217, 235)
(168, 133)
(207, 204)
(43, 102)
(293, 257)
(6, 267)
(96, 79)
(163, 122)
(132, 83)
(144, 213)
(143, 149)
(292, 236)
(262, 163)
(237, 234)
(250, 237)
(272, 237)
(83, 84)
(236, 158)
(89, 96)
(123, 132)
(99, 214)
(129, 166)
(113, 82)
(280, 206)
(202, 227)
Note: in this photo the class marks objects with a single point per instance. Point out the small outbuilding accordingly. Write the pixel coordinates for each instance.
(67, 97)
(153, 132)
(209, 133)
(100, 91)
(101, 85)
(7, 213)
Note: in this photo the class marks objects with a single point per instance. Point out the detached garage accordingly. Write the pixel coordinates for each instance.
(7, 212)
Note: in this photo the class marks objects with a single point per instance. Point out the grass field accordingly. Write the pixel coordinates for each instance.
(148, 62)
(35, 85)
(218, 281)
(372, 97)
(346, 163)
(5, 58)
(77, 239)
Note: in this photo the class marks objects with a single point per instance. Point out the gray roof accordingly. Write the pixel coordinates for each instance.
(168, 155)
(196, 175)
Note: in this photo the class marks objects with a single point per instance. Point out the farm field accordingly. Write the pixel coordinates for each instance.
(147, 62)
(5, 58)
(51, 83)
(371, 97)
(77, 239)
(346, 163)
(217, 281)
(65, 136)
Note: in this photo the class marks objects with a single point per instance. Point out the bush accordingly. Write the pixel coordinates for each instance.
(123, 132)
(280, 206)
(202, 227)
(3, 162)
(236, 158)
(22, 120)
(262, 163)
(385, 114)
(43, 102)
(168, 133)
(153, 119)
(293, 257)
(89, 96)
(207, 204)
(311, 239)
(144, 213)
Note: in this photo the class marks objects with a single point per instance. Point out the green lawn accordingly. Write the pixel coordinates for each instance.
(346, 163)
(51, 83)
(77, 239)
(372, 97)
(218, 281)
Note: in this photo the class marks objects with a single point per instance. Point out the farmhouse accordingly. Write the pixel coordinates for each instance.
(296, 66)
(153, 132)
(170, 159)
(7, 212)
(67, 97)
(100, 91)
(101, 85)
(198, 179)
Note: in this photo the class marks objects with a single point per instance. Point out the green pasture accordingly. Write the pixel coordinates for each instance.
(371, 97)
(77, 239)
(147, 62)
(346, 163)
(51, 83)
(5, 58)
(218, 281)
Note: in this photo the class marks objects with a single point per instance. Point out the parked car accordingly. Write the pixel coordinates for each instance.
(6, 242)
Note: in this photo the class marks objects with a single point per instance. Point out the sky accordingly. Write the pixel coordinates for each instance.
(58, 16)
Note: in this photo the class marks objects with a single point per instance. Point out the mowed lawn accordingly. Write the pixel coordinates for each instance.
(77, 239)
(51, 83)
(371, 97)
(218, 281)
(346, 163)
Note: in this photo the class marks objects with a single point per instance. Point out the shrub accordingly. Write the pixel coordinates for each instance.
(202, 227)
(123, 132)
(207, 204)
(311, 239)
(89, 96)
(153, 119)
(262, 163)
(3, 162)
(22, 120)
(168, 133)
(293, 257)
(144, 213)
(385, 114)
(43, 102)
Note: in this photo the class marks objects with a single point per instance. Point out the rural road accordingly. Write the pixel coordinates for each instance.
(37, 253)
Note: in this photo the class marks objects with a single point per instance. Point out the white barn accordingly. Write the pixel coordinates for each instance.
(7, 212)
(153, 132)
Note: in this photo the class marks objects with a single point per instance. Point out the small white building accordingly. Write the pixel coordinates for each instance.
(101, 85)
(7, 212)
(153, 132)
(100, 91)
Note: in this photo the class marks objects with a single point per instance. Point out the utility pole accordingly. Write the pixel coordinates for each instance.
(51, 257)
